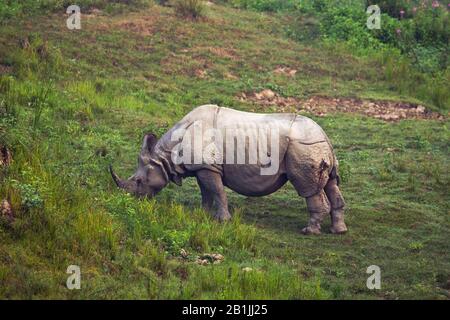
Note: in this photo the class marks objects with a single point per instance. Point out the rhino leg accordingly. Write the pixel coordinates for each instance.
(318, 206)
(207, 196)
(337, 207)
(212, 184)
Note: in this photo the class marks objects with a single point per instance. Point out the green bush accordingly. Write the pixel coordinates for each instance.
(9, 9)
(431, 27)
(422, 38)
(391, 7)
(304, 27)
(427, 26)
(189, 8)
(347, 24)
(437, 89)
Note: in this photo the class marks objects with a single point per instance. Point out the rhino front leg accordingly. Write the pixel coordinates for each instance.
(207, 196)
(318, 206)
(212, 186)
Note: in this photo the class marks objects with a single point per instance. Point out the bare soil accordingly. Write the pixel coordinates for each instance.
(321, 106)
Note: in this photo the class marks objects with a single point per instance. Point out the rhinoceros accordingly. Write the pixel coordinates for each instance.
(263, 152)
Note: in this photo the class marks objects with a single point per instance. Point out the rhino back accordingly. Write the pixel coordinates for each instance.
(307, 131)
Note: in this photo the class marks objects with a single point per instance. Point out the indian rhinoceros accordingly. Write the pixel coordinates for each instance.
(263, 152)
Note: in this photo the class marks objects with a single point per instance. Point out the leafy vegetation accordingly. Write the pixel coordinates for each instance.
(189, 8)
(72, 102)
(414, 32)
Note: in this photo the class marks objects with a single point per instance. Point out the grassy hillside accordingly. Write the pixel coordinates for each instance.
(72, 102)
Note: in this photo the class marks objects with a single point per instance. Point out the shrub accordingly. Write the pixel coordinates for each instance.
(391, 7)
(425, 25)
(303, 27)
(437, 89)
(431, 27)
(348, 24)
(189, 8)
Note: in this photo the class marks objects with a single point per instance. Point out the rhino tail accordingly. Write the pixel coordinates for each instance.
(334, 174)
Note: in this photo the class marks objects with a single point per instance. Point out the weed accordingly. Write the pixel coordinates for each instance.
(190, 8)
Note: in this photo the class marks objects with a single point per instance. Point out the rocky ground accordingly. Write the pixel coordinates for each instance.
(321, 106)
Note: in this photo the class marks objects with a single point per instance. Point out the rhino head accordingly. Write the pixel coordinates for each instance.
(149, 177)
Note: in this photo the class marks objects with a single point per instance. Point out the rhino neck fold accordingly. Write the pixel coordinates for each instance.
(162, 156)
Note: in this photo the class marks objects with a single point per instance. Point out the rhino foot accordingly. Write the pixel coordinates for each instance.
(339, 229)
(222, 217)
(311, 230)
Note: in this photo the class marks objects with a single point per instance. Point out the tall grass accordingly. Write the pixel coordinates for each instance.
(189, 8)
(67, 211)
(14, 8)
(407, 80)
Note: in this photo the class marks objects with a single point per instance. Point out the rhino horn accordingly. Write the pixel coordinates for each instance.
(119, 182)
(128, 185)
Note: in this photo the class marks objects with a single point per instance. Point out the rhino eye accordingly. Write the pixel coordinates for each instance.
(138, 180)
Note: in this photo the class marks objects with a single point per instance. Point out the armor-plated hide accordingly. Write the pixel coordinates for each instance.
(305, 153)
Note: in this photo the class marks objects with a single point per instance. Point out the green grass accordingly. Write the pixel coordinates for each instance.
(77, 101)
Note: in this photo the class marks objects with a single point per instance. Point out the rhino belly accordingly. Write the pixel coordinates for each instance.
(247, 180)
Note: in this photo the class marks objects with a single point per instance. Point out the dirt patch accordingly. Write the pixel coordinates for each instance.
(144, 26)
(230, 76)
(321, 106)
(199, 73)
(285, 71)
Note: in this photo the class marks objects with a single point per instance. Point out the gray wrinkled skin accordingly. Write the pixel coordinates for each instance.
(306, 159)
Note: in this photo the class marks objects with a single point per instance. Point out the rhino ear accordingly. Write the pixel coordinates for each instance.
(149, 142)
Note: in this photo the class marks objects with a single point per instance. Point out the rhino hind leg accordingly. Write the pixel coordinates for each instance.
(318, 206)
(213, 192)
(337, 207)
